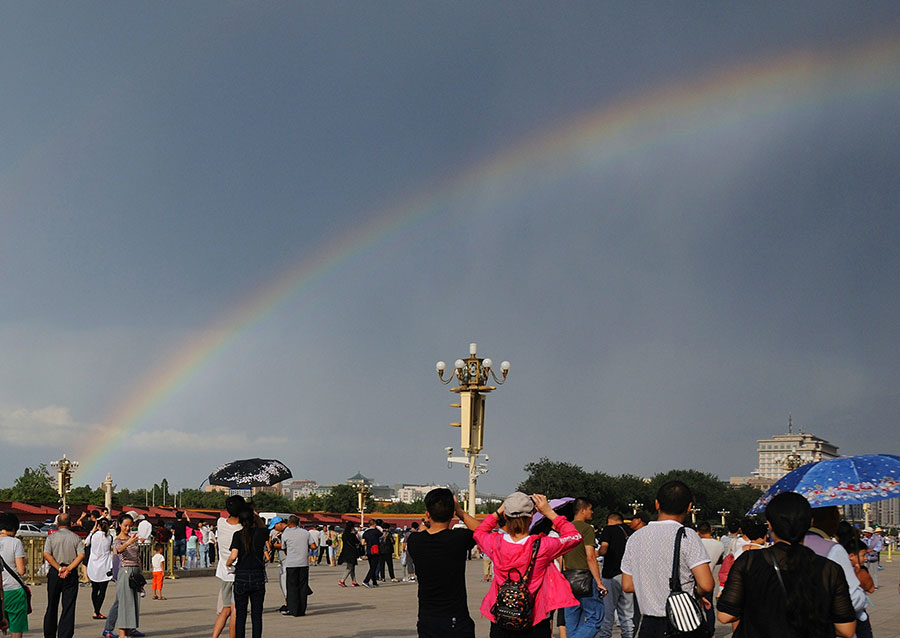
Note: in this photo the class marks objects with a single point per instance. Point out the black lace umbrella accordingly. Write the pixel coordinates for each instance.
(250, 473)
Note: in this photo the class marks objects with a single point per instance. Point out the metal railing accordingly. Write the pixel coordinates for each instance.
(36, 567)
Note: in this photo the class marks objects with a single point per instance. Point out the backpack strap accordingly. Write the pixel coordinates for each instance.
(675, 580)
(535, 546)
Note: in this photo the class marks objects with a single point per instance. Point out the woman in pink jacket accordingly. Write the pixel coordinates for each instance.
(512, 550)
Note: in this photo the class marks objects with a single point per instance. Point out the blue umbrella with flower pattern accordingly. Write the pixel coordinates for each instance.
(848, 480)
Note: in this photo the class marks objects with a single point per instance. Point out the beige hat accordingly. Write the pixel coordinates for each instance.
(518, 504)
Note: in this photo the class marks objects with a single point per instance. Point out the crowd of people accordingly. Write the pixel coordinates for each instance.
(803, 572)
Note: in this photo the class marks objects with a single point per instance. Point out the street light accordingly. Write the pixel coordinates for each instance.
(363, 492)
(723, 513)
(794, 460)
(473, 375)
(64, 479)
(635, 507)
(694, 511)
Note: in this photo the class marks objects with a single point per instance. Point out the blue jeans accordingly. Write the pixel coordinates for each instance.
(583, 621)
(617, 602)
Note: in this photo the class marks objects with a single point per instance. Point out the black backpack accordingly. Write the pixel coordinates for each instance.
(386, 543)
(515, 605)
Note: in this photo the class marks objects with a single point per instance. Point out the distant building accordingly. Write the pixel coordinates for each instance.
(783, 452)
(411, 493)
(303, 489)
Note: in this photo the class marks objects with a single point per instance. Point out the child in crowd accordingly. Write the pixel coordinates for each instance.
(159, 572)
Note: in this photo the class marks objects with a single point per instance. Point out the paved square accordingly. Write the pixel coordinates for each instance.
(388, 611)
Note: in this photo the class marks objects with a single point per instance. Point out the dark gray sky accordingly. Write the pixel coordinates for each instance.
(668, 287)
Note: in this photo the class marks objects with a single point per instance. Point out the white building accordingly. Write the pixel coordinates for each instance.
(407, 493)
(779, 453)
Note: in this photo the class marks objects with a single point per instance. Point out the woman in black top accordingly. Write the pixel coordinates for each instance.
(787, 590)
(350, 549)
(248, 548)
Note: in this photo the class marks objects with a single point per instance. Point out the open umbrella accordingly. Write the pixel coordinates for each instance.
(849, 480)
(564, 506)
(250, 473)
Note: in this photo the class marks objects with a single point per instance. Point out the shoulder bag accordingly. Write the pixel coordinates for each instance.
(19, 580)
(683, 613)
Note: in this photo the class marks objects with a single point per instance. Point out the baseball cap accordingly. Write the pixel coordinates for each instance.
(518, 504)
(275, 520)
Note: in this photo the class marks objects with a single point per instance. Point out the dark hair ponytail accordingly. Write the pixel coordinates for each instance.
(247, 517)
(790, 515)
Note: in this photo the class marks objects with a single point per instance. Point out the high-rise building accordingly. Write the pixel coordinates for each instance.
(784, 452)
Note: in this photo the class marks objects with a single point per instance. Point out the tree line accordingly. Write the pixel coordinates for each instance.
(557, 479)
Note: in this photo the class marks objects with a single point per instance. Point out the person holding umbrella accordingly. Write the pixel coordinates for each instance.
(787, 590)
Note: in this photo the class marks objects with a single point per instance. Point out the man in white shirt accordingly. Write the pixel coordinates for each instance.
(144, 529)
(647, 563)
(225, 530)
(314, 537)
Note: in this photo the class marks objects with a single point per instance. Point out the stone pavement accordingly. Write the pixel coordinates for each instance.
(389, 611)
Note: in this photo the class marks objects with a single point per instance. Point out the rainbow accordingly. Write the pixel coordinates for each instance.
(629, 126)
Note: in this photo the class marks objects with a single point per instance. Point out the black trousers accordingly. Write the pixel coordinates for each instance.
(386, 560)
(60, 624)
(463, 627)
(297, 584)
(98, 594)
(540, 630)
(372, 574)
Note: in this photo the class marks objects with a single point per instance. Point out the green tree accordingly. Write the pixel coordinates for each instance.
(84, 495)
(342, 498)
(269, 502)
(555, 479)
(34, 486)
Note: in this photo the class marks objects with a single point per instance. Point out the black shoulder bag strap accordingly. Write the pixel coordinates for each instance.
(12, 572)
(534, 552)
(770, 558)
(675, 580)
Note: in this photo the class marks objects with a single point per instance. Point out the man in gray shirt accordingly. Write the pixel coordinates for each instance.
(64, 551)
(296, 543)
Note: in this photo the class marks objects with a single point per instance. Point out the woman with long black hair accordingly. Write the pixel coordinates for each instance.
(350, 550)
(787, 590)
(248, 548)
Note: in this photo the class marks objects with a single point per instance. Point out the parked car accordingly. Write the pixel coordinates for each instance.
(80, 530)
(30, 529)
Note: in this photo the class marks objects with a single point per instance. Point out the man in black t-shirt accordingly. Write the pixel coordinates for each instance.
(612, 548)
(439, 554)
(179, 533)
(371, 537)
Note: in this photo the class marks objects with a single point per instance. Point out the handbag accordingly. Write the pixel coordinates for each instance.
(581, 581)
(19, 580)
(136, 579)
(682, 610)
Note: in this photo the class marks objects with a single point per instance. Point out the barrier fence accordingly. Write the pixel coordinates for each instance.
(36, 567)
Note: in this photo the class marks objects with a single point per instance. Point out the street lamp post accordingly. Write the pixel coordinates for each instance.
(723, 513)
(635, 506)
(694, 511)
(472, 374)
(362, 494)
(64, 470)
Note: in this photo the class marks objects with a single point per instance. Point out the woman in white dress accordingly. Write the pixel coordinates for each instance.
(99, 567)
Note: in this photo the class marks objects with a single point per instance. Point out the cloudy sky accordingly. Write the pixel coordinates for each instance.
(250, 229)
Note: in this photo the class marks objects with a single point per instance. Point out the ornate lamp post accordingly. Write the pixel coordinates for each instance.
(723, 513)
(64, 470)
(793, 460)
(635, 506)
(694, 511)
(363, 492)
(472, 374)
